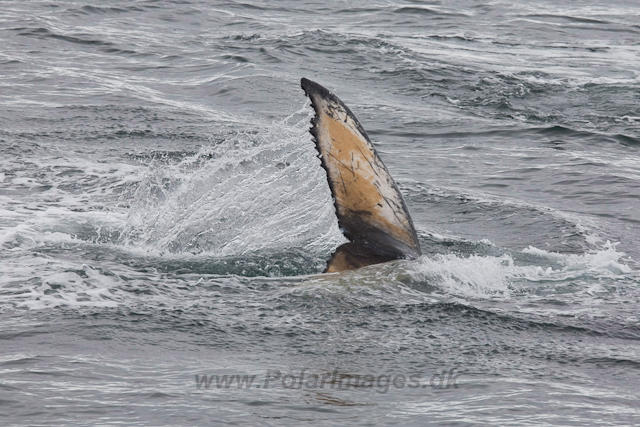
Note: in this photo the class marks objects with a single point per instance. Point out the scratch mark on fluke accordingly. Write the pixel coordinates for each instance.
(377, 232)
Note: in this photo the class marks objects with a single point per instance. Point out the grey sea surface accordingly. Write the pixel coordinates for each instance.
(164, 218)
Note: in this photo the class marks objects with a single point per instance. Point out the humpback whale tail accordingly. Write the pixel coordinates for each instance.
(370, 209)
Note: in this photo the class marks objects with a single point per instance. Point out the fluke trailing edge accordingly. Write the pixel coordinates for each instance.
(370, 209)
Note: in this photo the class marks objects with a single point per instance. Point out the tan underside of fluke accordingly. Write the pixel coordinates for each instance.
(370, 209)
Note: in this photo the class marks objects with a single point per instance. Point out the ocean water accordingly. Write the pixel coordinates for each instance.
(164, 218)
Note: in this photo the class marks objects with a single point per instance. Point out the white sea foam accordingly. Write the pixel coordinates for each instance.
(68, 288)
(474, 277)
(605, 262)
(490, 276)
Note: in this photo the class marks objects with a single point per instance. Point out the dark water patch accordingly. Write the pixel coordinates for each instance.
(30, 31)
(22, 361)
(160, 395)
(597, 49)
(357, 10)
(561, 132)
(90, 9)
(566, 18)
(567, 47)
(7, 387)
(7, 402)
(609, 362)
(236, 58)
(268, 56)
(426, 11)
(508, 132)
(39, 373)
(11, 62)
(333, 51)
(626, 140)
(123, 51)
(15, 335)
(282, 264)
(611, 29)
(246, 6)
(494, 185)
(555, 144)
(463, 38)
(45, 33)
(471, 148)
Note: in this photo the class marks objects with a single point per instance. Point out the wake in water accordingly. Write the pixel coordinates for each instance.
(523, 276)
(256, 203)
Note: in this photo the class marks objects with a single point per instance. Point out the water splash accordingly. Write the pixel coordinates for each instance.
(482, 277)
(260, 190)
